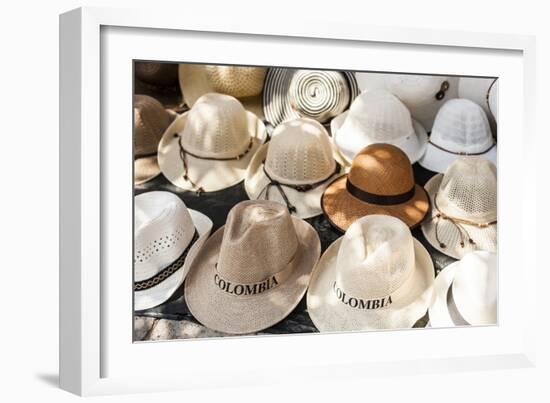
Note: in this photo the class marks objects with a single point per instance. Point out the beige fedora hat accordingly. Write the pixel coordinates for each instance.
(294, 167)
(244, 83)
(377, 276)
(167, 237)
(252, 272)
(209, 147)
(465, 292)
(464, 208)
(150, 122)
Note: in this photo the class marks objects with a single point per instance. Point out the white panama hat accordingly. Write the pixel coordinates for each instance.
(209, 147)
(465, 292)
(461, 128)
(377, 276)
(378, 116)
(167, 237)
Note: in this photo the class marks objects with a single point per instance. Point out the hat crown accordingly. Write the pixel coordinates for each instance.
(461, 126)
(239, 82)
(150, 121)
(318, 94)
(163, 230)
(415, 90)
(259, 240)
(382, 169)
(300, 153)
(375, 258)
(217, 126)
(468, 190)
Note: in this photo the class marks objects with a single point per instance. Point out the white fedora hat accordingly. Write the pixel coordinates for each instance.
(422, 94)
(167, 237)
(461, 128)
(377, 276)
(465, 292)
(464, 208)
(317, 94)
(377, 116)
(254, 271)
(209, 147)
(294, 167)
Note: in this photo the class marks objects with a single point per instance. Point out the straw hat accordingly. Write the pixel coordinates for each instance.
(464, 208)
(465, 292)
(317, 94)
(461, 128)
(377, 276)
(422, 94)
(244, 83)
(294, 168)
(157, 74)
(167, 237)
(254, 271)
(380, 181)
(209, 147)
(150, 121)
(377, 116)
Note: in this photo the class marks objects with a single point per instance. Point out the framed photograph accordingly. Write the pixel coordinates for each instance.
(243, 199)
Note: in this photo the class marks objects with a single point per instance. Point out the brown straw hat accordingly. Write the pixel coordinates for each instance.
(252, 272)
(380, 181)
(157, 74)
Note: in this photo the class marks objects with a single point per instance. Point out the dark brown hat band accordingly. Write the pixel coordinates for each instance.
(384, 200)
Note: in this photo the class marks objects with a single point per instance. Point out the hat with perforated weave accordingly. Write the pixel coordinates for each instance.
(167, 237)
(464, 208)
(254, 271)
(209, 147)
(380, 181)
(294, 168)
(377, 276)
(377, 116)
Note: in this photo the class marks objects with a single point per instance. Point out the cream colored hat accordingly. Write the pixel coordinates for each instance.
(253, 271)
(377, 276)
(422, 94)
(465, 292)
(209, 147)
(244, 83)
(464, 208)
(294, 168)
(167, 238)
(377, 116)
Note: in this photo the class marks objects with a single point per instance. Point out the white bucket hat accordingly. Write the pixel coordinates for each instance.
(461, 128)
(167, 237)
(377, 116)
(377, 276)
(422, 94)
(294, 167)
(209, 147)
(465, 292)
(464, 208)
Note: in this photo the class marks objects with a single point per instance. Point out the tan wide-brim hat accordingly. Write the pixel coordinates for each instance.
(308, 204)
(485, 238)
(411, 301)
(223, 312)
(163, 291)
(211, 175)
(341, 208)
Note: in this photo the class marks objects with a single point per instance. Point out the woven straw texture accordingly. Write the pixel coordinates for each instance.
(161, 74)
(376, 258)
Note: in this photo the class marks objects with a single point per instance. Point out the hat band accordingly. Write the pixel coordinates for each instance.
(167, 271)
(462, 153)
(360, 303)
(383, 200)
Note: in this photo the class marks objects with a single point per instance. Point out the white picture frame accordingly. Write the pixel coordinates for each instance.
(97, 355)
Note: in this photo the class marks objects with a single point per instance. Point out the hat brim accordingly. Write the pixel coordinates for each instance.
(485, 238)
(211, 175)
(342, 209)
(228, 313)
(163, 291)
(437, 160)
(330, 315)
(414, 145)
(438, 311)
